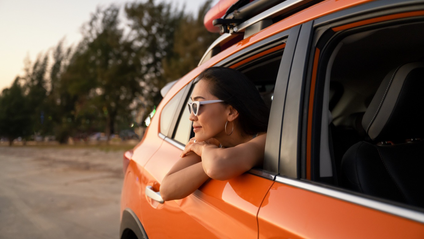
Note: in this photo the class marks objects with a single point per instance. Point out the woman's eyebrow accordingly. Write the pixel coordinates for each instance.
(197, 98)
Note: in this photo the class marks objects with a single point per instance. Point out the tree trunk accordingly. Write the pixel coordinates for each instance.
(10, 141)
(108, 129)
(110, 126)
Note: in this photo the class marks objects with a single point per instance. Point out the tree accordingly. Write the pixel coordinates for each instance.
(60, 104)
(103, 72)
(153, 26)
(36, 92)
(15, 120)
(191, 40)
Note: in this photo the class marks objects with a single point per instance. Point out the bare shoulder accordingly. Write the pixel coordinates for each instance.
(257, 143)
(260, 138)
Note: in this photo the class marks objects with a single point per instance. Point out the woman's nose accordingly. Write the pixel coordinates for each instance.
(192, 117)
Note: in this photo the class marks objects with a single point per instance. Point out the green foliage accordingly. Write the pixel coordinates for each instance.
(115, 71)
(60, 103)
(104, 71)
(14, 112)
(191, 40)
(153, 26)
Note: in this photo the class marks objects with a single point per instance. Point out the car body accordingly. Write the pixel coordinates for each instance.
(318, 64)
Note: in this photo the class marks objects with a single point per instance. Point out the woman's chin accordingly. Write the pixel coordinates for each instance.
(199, 137)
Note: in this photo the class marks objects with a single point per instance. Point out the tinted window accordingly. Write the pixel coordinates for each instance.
(168, 113)
(182, 134)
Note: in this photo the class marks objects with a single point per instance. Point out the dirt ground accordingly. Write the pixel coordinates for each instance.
(60, 192)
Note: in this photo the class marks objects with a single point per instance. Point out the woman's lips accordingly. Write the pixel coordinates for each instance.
(196, 128)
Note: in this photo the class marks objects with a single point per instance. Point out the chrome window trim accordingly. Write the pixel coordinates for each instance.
(267, 14)
(380, 206)
(175, 143)
(262, 173)
(162, 136)
(171, 141)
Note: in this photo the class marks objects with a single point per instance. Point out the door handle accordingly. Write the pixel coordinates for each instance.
(153, 195)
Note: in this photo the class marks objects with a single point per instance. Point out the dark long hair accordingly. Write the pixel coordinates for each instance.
(238, 91)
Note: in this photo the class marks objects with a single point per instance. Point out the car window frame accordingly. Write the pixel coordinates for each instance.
(173, 122)
(317, 30)
(326, 33)
(271, 161)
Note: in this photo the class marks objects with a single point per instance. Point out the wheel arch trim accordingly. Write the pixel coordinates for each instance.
(131, 222)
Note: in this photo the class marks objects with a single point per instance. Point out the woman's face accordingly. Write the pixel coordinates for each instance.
(211, 118)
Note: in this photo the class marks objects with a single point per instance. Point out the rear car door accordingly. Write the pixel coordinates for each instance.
(221, 209)
(338, 64)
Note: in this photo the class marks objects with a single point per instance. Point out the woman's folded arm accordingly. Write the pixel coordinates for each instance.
(185, 177)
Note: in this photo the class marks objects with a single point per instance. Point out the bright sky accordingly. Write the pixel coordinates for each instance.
(29, 27)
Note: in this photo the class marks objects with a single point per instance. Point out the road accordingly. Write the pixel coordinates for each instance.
(59, 192)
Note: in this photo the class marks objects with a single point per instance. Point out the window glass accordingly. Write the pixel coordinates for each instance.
(183, 131)
(168, 113)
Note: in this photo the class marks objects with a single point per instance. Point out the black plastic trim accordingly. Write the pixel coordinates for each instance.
(273, 138)
(131, 222)
(292, 126)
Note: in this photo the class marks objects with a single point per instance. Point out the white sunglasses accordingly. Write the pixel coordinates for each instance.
(195, 105)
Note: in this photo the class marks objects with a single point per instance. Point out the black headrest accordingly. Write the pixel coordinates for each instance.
(397, 110)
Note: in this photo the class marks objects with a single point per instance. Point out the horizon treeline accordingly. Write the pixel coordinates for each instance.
(112, 77)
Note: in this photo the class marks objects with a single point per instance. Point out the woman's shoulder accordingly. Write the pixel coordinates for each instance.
(259, 137)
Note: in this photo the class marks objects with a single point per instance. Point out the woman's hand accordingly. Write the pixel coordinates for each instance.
(197, 147)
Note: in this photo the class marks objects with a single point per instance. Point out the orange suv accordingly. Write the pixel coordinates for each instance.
(344, 150)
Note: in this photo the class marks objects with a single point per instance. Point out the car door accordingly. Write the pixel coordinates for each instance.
(339, 62)
(221, 209)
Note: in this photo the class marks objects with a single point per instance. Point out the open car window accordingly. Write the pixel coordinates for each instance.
(351, 71)
(261, 69)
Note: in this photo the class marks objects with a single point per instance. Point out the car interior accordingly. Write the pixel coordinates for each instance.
(263, 72)
(372, 90)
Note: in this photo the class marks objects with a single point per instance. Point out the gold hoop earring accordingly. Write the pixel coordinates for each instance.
(232, 129)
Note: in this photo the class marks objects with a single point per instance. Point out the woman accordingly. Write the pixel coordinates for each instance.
(229, 121)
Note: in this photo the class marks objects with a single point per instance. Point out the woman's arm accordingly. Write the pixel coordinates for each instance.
(226, 163)
(203, 160)
(184, 178)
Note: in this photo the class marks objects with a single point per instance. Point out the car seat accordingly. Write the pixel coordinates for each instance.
(390, 164)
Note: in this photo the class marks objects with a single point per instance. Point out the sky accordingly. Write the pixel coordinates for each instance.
(28, 28)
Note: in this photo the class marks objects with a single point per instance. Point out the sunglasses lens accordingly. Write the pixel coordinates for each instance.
(194, 107)
(189, 107)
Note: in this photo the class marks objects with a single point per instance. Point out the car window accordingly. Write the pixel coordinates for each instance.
(183, 129)
(260, 68)
(168, 113)
(350, 71)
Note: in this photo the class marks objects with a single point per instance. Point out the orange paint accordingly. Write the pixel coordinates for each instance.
(297, 213)
(310, 114)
